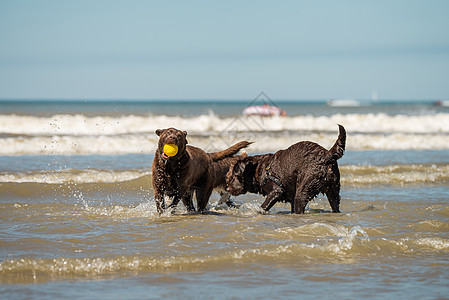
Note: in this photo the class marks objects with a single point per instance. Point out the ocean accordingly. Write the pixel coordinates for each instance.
(78, 217)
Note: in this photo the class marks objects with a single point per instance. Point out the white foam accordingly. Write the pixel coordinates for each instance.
(351, 175)
(78, 134)
(72, 176)
(104, 125)
(143, 210)
(434, 243)
(402, 174)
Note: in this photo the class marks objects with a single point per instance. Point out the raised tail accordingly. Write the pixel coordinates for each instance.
(338, 149)
(230, 151)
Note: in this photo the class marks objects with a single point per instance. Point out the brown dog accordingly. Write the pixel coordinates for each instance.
(221, 168)
(190, 170)
(294, 175)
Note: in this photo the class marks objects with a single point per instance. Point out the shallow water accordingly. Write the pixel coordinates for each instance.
(84, 224)
(92, 235)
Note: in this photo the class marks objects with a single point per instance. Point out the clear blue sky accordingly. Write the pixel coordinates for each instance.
(224, 49)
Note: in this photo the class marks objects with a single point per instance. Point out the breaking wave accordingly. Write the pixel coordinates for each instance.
(79, 134)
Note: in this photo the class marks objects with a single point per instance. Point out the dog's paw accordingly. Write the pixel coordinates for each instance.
(263, 211)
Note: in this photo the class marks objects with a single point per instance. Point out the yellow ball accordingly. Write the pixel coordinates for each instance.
(170, 149)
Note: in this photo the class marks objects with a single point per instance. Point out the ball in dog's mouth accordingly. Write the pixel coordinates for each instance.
(170, 150)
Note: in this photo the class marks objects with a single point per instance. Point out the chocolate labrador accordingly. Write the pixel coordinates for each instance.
(189, 170)
(296, 174)
(221, 168)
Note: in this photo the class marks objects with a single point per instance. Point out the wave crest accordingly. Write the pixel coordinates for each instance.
(79, 134)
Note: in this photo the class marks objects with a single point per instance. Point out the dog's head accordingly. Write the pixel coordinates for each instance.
(240, 175)
(171, 136)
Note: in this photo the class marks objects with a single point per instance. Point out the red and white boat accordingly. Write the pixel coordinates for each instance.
(441, 103)
(264, 111)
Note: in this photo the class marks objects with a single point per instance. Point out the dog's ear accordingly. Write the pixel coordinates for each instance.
(241, 163)
(235, 166)
(248, 165)
(185, 136)
(159, 131)
(249, 169)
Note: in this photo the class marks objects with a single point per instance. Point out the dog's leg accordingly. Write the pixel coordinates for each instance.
(274, 196)
(300, 202)
(202, 197)
(306, 190)
(187, 200)
(175, 201)
(160, 203)
(333, 196)
(333, 190)
(224, 198)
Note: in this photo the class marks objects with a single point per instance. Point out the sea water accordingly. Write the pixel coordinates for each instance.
(78, 218)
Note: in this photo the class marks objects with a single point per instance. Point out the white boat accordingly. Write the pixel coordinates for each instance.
(264, 110)
(344, 103)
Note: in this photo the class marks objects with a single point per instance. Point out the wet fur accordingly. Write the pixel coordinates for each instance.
(296, 175)
(221, 168)
(190, 171)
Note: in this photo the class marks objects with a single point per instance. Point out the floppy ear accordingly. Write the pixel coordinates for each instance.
(236, 167)
(232, 168)
(242, 165)
(250, 168)
(159, 131)
(185, 136)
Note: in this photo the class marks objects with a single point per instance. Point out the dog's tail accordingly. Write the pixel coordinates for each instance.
(230, 151)
(338, 149)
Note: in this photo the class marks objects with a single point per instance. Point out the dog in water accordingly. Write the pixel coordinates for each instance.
(187, 170)
(296, 174)
(221, 168)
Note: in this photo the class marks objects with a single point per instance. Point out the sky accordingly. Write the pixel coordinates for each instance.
(321, 49)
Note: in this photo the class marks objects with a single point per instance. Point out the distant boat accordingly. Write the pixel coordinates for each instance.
(264, 111)
(344, 103)
(441, 103)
